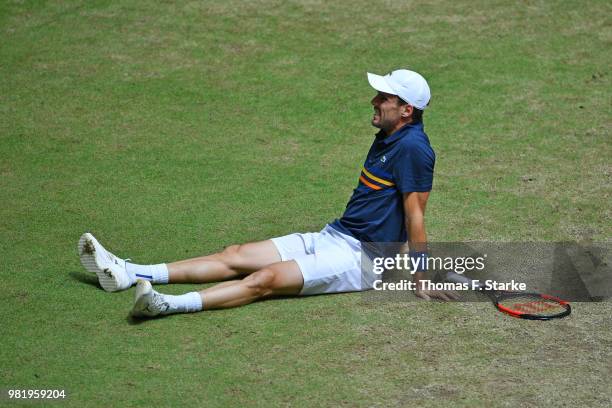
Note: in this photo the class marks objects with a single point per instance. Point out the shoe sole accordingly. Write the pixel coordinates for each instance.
(143, 288)
(87, 254)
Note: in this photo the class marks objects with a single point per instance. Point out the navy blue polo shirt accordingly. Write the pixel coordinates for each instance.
(396, 164)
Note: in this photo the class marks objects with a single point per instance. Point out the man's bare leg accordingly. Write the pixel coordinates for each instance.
(281, 278)
(233, 262)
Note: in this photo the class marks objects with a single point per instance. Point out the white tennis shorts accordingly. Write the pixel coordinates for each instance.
(329, 260)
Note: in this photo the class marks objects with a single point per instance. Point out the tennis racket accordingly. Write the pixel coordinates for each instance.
(524, 305)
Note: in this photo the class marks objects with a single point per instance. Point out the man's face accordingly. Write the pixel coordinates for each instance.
(387, 112)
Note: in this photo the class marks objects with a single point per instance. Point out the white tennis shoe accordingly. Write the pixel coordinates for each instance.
(148, 302)
(109, 268)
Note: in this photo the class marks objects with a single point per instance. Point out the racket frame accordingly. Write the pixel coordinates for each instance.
(496, 296)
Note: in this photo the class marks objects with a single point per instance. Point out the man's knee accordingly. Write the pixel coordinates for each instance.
(231, 251)
(249, 257)
(261, 282)
(231, 255)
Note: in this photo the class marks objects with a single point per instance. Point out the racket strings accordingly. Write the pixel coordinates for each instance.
(533, 305)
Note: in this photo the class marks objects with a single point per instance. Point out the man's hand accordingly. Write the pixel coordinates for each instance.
(445, 295)
(419, 278)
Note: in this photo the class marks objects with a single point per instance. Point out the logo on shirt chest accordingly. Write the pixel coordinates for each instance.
(379, 162)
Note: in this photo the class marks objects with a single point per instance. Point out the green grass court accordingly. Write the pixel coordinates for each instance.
(173, 129)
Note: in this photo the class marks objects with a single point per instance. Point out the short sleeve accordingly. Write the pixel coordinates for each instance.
(414, 167)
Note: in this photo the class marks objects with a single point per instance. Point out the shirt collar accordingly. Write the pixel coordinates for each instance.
(398, 134)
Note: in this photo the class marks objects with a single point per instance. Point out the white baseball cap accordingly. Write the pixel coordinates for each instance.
(410, 86)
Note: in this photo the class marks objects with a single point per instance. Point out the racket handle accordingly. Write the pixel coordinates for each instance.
(457, 278)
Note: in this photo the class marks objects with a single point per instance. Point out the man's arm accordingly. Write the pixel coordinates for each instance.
(414, 216)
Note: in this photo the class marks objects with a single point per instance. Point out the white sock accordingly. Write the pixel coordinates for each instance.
(187, 303)
(154, 273)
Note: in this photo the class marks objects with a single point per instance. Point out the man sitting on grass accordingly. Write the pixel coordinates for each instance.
(388, 205)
